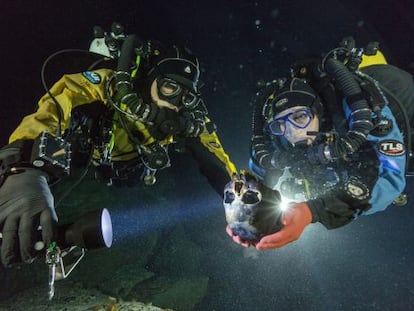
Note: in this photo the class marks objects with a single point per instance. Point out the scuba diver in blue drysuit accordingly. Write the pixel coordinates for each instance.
(334, 140)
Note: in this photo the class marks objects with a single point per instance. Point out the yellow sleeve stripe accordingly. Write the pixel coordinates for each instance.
(212, 143)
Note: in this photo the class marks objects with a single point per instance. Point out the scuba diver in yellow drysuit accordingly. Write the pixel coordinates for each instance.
(123, 121)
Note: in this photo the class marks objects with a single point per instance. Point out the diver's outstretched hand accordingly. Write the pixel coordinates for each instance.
(26, 203)
(294, 221)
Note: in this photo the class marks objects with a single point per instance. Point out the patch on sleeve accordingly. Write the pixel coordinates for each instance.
(391, 147)
(356, 189)
(92, 76)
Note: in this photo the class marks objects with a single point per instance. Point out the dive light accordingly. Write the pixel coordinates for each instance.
(92, 231)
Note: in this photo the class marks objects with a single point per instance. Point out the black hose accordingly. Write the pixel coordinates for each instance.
(128, 53)
(125, 92)
(360, 117)
(260, 150)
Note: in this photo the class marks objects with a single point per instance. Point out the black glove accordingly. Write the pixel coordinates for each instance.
(192, 122)
(25, 203)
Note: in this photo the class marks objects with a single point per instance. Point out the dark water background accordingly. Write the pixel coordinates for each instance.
(367, 265)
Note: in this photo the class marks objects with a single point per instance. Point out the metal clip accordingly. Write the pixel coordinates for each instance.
(58, 269)
(52, 259)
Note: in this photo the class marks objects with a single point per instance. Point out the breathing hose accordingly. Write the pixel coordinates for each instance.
(125, 93)
(360, 122)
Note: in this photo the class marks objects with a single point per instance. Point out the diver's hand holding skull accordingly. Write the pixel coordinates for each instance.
(252, 210)
(294, 220)
(255, 217)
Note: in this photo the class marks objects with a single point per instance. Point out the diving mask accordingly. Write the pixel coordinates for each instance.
(174, 93)
(300, 118)
(296, 124)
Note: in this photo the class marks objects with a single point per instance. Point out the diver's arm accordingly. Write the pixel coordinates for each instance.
(380, 183)
(25, 197)
(331, 211)
(392, 155)
(378, 186)
(212, 160)
(70, 92)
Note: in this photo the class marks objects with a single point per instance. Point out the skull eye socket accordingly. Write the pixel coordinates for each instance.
(250, 197)
(229, 197)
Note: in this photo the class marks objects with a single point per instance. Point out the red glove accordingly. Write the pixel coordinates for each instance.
(294, 221)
